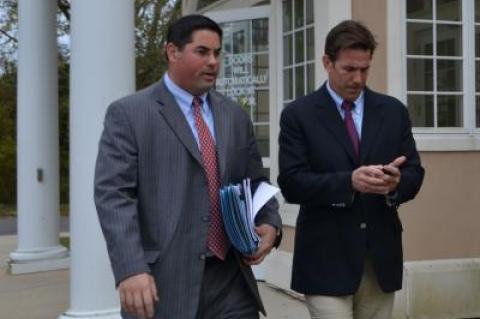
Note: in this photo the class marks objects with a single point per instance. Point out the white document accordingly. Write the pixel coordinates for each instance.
(262, 195)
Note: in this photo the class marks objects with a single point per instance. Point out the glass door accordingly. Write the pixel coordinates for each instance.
(245, 71)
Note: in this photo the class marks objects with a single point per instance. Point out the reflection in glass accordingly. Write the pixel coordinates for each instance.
(260, 69)
(419, 75)
(420, 108)
(477, 112)
(420, 38)
(299, 81)
(288, 84)
(262, 134)
(260, 34)
(310, 77)
(477, 10)
(477, 76)
(239, 41)
(310, 44)
(262, 101)
(449, 75)
(287, 50)
(450, 10)
(419, 9)
(449, 40)
(299, 47)
(299, 19)
(227, 38)
(450, 111)
(477, 41)
(287, 15)
(309, 11)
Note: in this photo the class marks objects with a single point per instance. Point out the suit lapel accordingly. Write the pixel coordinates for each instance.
(372, 121)
(174, 117)
(333, 121)
(222, 131)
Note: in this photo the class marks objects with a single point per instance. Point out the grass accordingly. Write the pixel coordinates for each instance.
(8, 210)
(65, 241)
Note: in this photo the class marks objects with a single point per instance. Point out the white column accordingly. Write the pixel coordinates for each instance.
(37, 141)
(102, 69)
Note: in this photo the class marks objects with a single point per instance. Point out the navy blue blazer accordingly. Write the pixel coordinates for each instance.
(337, 227)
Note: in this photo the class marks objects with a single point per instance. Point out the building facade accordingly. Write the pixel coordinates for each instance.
(428, 57)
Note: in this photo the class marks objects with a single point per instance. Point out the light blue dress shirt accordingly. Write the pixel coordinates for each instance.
(184, 100)
(357, 111)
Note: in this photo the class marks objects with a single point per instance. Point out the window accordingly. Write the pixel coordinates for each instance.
(298, 49)
(244, 73)
(442, 64)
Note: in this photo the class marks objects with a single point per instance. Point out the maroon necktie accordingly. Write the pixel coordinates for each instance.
(217, 241)
(350, 126)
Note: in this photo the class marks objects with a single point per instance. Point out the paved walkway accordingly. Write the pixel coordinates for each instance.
(46, 295)
(8, 225)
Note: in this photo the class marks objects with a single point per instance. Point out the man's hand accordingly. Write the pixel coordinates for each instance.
(138, 295)
(370, 179)
(267, 234)
(378, 179)
(392, 173)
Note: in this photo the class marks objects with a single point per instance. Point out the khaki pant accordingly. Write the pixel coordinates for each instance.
(369, 302)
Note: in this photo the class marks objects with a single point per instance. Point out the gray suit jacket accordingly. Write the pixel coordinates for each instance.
(151, 191)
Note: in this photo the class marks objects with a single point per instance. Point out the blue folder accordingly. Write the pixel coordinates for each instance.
(236, 204)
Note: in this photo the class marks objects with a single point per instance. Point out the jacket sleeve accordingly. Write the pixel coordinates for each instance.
(115, 194)
(412, 172)
(299, 182)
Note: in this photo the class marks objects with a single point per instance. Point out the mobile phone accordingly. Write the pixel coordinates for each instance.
(386, 171)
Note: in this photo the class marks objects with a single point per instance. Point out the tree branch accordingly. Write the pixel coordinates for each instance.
(8, 36)
(64, 7)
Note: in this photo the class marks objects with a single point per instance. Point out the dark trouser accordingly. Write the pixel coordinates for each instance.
(224, 293)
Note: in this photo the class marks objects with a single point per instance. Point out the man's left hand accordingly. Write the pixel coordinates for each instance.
(267, 234)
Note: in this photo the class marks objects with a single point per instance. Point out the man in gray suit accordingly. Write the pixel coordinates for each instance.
(163, 155)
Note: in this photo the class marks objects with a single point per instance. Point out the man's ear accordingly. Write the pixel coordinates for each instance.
(171, 51)
(327, 63)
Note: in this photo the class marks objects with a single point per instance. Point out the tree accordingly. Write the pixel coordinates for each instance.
(151, 20)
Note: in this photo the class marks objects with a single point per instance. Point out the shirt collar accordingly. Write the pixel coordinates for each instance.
(181, 95)
(339, 100)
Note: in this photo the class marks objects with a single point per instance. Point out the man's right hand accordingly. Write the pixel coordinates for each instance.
(369, 179)
(138, 295)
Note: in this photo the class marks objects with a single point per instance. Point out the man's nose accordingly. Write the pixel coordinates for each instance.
(357, 76)
(213, 58)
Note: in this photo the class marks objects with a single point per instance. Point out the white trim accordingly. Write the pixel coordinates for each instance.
(468, 32)
(239, 14)
(447, 142)
(396, 83)
(228, 5)
(288, 212)
(274, 96)
(427, 286)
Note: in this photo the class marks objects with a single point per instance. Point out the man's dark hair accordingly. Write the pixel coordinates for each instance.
(349, 34)
(180, 31)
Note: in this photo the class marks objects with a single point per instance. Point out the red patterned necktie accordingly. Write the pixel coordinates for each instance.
(350, 125)
(217, 241)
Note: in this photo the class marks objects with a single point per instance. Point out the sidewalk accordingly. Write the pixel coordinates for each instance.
(46, 295)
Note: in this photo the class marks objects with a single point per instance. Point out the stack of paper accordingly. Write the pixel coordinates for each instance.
(239, 209)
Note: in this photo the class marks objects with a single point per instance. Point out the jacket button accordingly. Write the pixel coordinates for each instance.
(363, 225)
(206, 218)
(203, 256)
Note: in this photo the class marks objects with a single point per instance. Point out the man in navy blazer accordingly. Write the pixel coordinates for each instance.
(348, 157)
